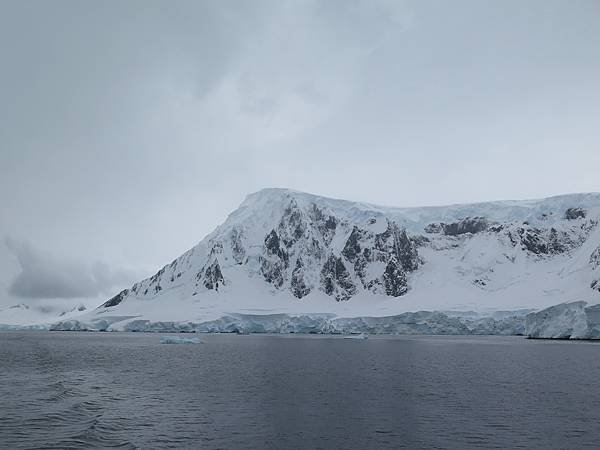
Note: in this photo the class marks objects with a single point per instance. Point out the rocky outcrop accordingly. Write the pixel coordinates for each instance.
(595, 264)
(352, 250)
(298, 284)
(575, 213)
(394, 243)
(302, 241)
(114, 301)
(471, 225)
(275, 260)
(335, 279)
(325, 224)
(595, 258)
(434, 228)
(392, 248)
(394, 279)
(544, 241)
(238, 251)
(211, 276)
(298, 242)
(292, 226)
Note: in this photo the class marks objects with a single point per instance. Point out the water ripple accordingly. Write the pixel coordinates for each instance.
(88, 390)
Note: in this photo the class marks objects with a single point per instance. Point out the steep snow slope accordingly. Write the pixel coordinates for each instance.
(288, 252)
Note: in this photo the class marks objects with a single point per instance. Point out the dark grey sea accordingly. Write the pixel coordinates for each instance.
(97, 390)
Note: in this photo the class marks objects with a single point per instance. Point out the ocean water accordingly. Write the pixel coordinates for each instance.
(126, 390)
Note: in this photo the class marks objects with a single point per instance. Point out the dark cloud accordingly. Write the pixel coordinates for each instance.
(44, 276)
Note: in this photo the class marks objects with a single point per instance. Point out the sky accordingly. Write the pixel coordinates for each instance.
(131, 129)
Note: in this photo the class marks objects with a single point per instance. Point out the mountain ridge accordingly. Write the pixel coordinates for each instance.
(288, 252)
(264, 234)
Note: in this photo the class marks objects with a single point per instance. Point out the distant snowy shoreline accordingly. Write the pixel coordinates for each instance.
(566, 321)
(417, 323)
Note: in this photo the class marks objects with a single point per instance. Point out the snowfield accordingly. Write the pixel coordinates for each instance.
(286, 261)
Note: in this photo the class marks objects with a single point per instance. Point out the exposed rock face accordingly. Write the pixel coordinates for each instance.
(595, 258)
(293, 225)
(394, 242)
(154, 286)
(275, 260)
(114, 301)
(471, 225)
(392, 248)
(303, 239)
(434, 228)
(298, 284)
(324, 223)
(298, 243)
(538, 241)
(352, 250)
(212, 276)
(548, 241)
(575, 213)
(238, 250)
(595, 263)
(335, 279)
(420, 241)
(394, 279)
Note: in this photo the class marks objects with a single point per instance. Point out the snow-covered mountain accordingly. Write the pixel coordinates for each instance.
(307, 261)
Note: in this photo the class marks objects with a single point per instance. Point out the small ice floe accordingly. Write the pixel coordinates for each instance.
(178, 340)
(361, 336)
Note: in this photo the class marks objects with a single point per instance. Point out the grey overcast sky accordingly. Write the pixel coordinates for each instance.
(130, 129)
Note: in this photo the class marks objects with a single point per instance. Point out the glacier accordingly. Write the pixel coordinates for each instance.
(574, 320)
(422, 322)
(292, 262)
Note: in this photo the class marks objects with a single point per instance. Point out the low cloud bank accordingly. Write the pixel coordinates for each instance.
(45, 276)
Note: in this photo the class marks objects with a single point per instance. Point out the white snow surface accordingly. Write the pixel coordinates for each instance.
(482, 272)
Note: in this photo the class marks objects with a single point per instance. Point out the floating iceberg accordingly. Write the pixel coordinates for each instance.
(361, 336)
(178, 340)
